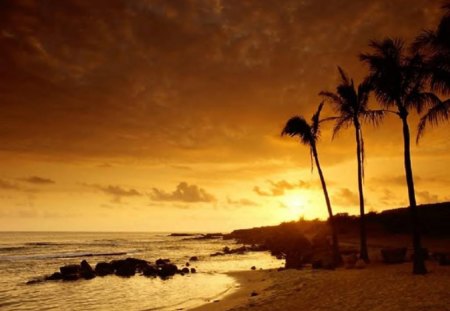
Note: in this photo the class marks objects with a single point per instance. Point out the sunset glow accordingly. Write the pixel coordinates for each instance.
(166, 115)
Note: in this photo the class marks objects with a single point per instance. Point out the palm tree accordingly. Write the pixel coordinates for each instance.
(309, 135)
(398, 82)
(351, 105)
(435, 46)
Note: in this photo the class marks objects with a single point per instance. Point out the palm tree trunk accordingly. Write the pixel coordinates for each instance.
(335, 246)
(419, 260)
(363, 253)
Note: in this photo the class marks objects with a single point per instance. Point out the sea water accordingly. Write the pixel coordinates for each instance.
(27, 255)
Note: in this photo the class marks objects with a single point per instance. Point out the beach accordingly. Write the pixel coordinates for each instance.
(376, 287)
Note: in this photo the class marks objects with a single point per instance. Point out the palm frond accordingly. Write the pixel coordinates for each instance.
(315, 121)
(373, 116)
(435, 115)
(341, 123)
(297, 126)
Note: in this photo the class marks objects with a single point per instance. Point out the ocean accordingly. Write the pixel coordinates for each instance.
(27, 255)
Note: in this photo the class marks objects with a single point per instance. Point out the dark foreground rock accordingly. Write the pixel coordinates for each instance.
(128, 267)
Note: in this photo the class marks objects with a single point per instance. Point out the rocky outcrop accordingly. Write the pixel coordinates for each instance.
(128, 267)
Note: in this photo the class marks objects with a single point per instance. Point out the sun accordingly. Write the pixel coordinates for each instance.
(294, 204)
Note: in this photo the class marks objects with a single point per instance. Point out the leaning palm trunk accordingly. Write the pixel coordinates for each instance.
(363, 253)
(419, 260)
(335, 242)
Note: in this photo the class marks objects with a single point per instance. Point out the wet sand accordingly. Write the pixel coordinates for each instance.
(376, 287)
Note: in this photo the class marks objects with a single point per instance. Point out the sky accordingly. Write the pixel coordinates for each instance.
(152, 115)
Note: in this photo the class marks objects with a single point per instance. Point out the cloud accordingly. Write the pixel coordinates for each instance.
(346, 198)
(280, 187)
(117, 192)
(6, 185)
(38, 180)
(241, 202)
(183, 193)
(427, 197)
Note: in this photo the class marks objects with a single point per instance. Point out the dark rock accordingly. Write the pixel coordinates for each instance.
(350, 260)
(54, 277)
(425, 254)
(253, 294)
(103, 268)
(226, 250)
(393, 255)
(162, 261)
(86, 270)
(70, 269)
(253, 268)
(35, 281)
(185, 270)
(187, 264)
(70, 277)
(193, 270)
(193, 258)
(167, 270)
(217, 254)
(150, 270)
(124, 267)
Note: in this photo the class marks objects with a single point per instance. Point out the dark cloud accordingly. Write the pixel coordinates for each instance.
(6, 185)
(119, 78)
(345, 198)
(278, 188)
(38, 180)
(117, 192)
(241, 202)
(183, 193)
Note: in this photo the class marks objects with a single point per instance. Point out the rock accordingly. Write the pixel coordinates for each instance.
(217, 254)
(360, 264)
(70, 277)
(35, 281)
(185, 270)
(86, 270)
(150, 270)
(226, 250)
(54, 277)
(162, 261)
(167, 270)
(187, 264)
(70, 269)
(253, 268)
(193, 258)
(103, 268)
(253, 294)
(124, 268)
(193, 270)
(350, 260)
(393, 255)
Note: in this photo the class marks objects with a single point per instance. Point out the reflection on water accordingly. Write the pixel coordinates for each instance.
(26, 255)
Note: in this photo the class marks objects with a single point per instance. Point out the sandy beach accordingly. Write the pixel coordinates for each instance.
(376, 287)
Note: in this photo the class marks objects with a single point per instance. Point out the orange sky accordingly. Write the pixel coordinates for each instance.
(165, 115)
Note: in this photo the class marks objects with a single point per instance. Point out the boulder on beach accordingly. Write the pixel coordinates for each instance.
(193, 258)
(150, 270)
(103, 268)
(350, 260)
(54, 277)
(86, 270)
(167, 270)
(393, 255)
(70, 272)
(185, 270)
(193, 270)
(161, 261)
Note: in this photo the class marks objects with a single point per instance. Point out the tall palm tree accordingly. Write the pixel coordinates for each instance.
(398, 82)
(351, 105)
(435, 46)
(308, 134)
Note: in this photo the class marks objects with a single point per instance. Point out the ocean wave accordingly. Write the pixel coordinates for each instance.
(62, 255)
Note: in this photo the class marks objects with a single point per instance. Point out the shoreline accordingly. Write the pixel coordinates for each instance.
(376, 287)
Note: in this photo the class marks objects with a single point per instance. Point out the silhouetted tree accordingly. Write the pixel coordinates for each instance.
(398, 81)
(309, 133)
(351, 105)
(435, 46)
